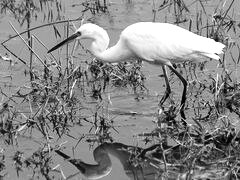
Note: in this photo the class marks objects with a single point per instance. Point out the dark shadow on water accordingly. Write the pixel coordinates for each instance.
(154, 162)
(134, 168)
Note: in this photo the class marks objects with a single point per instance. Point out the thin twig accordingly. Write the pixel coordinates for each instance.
(221, 23)
(34, 28)
(55, 60)
(28, 45)
(15, 55)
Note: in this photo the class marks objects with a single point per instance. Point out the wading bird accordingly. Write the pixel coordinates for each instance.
(157, 43)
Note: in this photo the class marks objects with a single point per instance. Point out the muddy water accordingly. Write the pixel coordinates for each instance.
(121, 14)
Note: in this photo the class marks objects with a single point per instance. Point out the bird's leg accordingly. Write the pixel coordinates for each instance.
(168, 89)
(184, 94)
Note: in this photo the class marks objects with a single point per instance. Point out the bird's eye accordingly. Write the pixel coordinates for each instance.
(79, 33)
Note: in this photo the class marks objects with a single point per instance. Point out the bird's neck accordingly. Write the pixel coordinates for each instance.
(115, 53)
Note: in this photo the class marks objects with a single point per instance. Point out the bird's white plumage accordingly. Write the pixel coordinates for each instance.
(164, 43)
(158, 43)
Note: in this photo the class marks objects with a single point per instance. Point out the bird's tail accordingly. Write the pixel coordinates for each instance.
(213, 49)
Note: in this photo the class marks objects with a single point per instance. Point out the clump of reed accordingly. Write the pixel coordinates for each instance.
(56, 97)
(209, 144)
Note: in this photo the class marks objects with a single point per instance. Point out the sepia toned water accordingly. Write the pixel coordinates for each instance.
(121, 14)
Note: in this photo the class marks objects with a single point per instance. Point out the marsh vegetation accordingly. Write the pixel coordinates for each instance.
(69, 100)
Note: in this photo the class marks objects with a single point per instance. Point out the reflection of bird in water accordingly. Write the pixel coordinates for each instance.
(156, 43)
(92, 171)
(104, 165)
(155, 161)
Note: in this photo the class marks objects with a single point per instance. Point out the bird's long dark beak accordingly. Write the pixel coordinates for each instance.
(69, 39)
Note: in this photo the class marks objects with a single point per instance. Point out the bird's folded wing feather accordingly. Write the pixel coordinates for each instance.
(164, 42)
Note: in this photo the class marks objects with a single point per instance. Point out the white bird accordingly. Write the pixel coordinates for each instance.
(157, 43)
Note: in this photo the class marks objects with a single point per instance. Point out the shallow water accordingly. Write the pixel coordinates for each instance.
(123, 105)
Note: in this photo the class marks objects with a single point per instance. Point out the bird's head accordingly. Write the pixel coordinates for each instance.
(88, 31)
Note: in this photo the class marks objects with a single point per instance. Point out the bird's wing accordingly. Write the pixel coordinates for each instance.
(163, 42)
